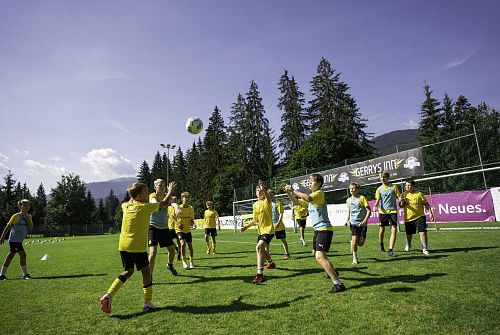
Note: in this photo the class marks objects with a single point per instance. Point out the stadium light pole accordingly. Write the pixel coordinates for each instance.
(168, 147)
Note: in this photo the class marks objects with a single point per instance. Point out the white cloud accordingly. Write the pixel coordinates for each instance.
(35, 168)
(108, 164)
(22, 152)
(460, 61)
(411, 124)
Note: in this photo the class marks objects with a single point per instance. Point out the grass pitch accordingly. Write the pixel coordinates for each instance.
(455, 290)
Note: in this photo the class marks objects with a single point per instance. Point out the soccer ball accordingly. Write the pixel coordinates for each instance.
(194, 125)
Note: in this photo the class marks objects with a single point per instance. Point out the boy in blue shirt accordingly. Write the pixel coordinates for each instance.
(358, 213)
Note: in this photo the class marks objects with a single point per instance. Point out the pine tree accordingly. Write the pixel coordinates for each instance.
(179, 171)
(111, 204)
(9, 202)
(144, 175)
(261, 154)
(449, 122)
(156, 170)
(192, 185)
(430, 118)
(294, 128)
(38, 205)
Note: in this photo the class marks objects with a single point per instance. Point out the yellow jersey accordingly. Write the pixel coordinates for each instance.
(210, 217)
(262, 212)
(135, 225)
(185, 218)
(414, 205)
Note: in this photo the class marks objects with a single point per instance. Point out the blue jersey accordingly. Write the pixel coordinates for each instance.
(357, 209)
(318, 212)
(158, 219)
(19, 227)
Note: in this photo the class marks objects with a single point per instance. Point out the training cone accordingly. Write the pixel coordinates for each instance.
(45, 257)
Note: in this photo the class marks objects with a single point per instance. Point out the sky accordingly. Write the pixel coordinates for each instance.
(93, 87)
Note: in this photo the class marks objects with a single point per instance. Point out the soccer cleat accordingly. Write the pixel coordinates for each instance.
(184, 265)
(259, 278)
(426, 252)
(105, 302)
(170, 267)
(355, 261)
(191, 265)
(303, 242)
(407, 248)
(2, 277)
(382, 249)
(270, 265)
(148, 307)
(287, 256)
(27, 277)
(391, 254)
(208, 251)
(338, 288)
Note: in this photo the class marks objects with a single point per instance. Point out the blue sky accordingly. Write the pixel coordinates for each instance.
(93, 87)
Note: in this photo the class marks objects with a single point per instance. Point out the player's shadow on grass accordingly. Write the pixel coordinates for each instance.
(406, 257)
(237, 305)
(72, 276)
(409, 279)
(465, 249)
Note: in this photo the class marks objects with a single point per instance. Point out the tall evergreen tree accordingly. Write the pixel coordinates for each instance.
(90, 205)
(239, 130)
(156, 170)
(39, 203)
(449, 121)
(260, 153)
(144, 175)
(9, 201)
(294, 127)
(111, 204)
(430, 118)
(193, 185)
(179, 171)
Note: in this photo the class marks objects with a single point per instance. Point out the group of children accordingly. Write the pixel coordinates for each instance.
(156, 219)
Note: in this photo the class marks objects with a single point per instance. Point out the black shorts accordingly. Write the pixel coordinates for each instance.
(280, 234)
(16, 247)
(266, 238)
(359, 231)
(322, 240)
(412, 226)
(211, 231)
(388, 220)
(301, 222)
(185, 236)
(159, 236)
(140, 259)
(173, 234)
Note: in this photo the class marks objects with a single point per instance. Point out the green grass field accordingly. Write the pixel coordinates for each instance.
(455, 290)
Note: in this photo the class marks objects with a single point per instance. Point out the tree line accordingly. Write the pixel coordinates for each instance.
(326, 130)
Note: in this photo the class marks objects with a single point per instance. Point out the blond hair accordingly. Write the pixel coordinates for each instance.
(23, 201)
(159, 181)
(184, 194)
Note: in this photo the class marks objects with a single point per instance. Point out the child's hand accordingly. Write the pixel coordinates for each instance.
(242, 229)
(171, 186)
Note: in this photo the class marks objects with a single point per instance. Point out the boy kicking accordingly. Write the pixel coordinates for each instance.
(358, 213)
(133, 243)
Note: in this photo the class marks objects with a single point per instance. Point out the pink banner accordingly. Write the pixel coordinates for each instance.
(470, 206)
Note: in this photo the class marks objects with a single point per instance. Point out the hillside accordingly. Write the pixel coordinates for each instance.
(101, 189)
(403, 139)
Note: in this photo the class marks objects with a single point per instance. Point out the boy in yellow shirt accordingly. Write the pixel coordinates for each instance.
(262, 217)
(212, 222)
(134, 241)
(300, 213)
(414, 203)
(185, 219)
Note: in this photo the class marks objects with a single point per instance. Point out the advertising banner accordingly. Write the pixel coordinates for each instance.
(400, 165)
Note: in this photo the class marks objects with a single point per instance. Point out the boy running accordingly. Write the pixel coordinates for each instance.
(386, 195)
(358, 213)
(414, 203)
